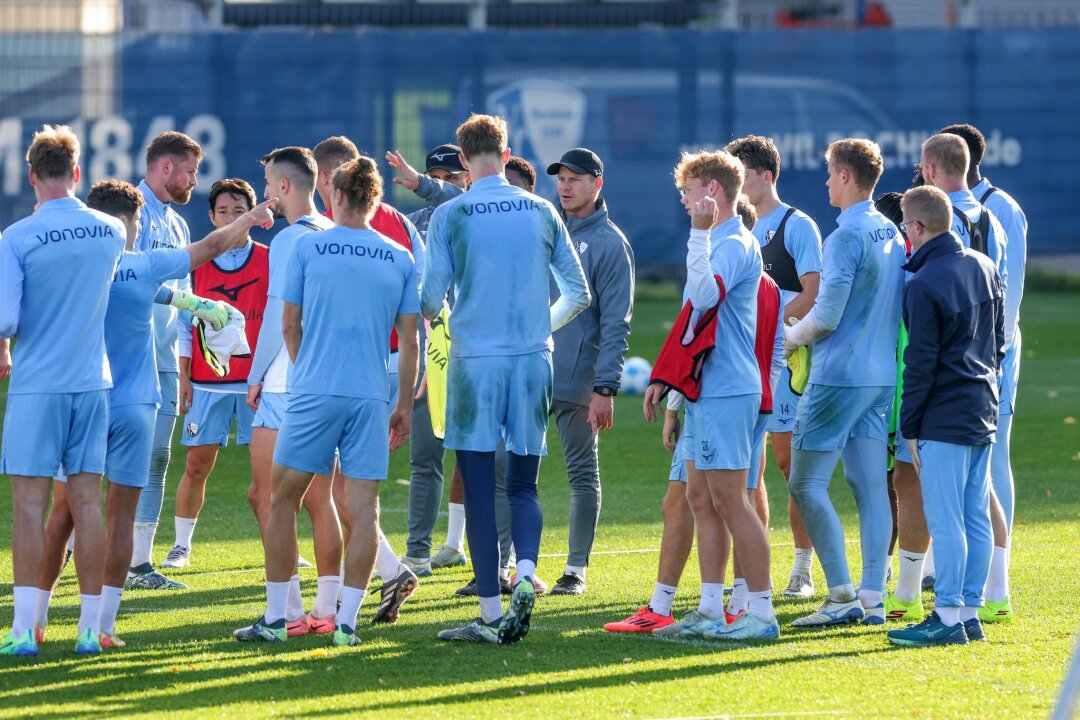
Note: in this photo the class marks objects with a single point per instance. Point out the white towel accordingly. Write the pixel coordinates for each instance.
(226, 342)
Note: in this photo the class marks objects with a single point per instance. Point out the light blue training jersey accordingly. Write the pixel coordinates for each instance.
(862, 283)
(802, 239)
(496, 243)
(966, 202)
(1015, 224)
(162, 227)
(271, 362)
(55, 271)
(731, 369)
(129, 335)
(352, 285)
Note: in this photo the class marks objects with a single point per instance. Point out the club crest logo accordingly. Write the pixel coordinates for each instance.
(192, 429)
(582, 247)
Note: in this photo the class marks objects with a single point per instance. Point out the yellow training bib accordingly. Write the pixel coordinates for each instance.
(438, 356)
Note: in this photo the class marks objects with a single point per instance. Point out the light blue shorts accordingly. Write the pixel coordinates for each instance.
(131, 439)
(505, 398)
(1010, 377)
(829, 416)
(678, 461)
(757, 449)
(43, 430)
(721, 432)
(317, 425)
(169, 382)
(211, 415)
(784, 404)
(271, 412)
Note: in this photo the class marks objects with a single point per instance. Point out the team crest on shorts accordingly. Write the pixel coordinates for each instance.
(192, 429)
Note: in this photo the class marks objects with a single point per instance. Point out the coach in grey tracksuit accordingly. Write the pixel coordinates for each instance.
(589, 350)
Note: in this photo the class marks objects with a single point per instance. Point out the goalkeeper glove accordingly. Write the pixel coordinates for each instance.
(211, 311)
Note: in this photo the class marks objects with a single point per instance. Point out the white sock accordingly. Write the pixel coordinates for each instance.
(455, 531)
(490, 608)
(142, 547)
(870, 598)
(575, 570)
(41, 611)
(386, 560)
(526, 568)
(277, 600)
(185, 528)
(326, 596)
(950, 616)
(760, 605)
(968, 613)
(71, 542)
(804, 559)
(110, 605)
(294, 605)
(504, 573)
(663, 597)
(997, 582)
(712, 600)
(842, 593)
(25, 606)
(739, 600)
(909, 584)
(341, 583)
(351, 600)
(89, 613)
(928, 566)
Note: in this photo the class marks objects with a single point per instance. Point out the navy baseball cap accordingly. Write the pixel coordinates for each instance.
(445, 157)
(579, 160)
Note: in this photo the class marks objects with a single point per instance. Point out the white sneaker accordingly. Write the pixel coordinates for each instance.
(178, 557)
(420, 568)
(693, 624)
(746, 627)
(448, 557)
(800, 586)
(832, 612)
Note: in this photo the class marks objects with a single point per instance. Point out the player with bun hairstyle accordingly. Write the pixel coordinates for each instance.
(345, 289)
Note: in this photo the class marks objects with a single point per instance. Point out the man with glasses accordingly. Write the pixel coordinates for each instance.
(949, 411)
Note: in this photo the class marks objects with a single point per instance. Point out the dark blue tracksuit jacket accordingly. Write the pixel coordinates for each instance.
(955, 315)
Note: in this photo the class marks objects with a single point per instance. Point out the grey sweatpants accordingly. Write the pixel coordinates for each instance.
(583, 470)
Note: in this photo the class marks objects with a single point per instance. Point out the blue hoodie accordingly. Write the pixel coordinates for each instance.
(954, 309)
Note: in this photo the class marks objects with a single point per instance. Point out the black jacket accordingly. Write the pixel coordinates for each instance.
(954, 312)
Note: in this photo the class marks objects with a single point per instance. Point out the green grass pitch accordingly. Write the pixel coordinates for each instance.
(181, 660)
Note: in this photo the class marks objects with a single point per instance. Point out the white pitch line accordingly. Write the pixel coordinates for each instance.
(794, 713)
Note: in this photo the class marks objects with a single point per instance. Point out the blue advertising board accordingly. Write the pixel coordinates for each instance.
(638, 98)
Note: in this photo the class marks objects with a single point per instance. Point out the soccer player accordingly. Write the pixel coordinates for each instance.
(134, 397)
(399, 576)
(678, 534)
(55, 271)
(496, 243)
(345, 288)
(944, 162)
(954, 313)
(290, 177)
(843, 414)
(725, 274)
(172, 163)
(791, 255)
(239, 277)
(1014, 222)
(425, 484)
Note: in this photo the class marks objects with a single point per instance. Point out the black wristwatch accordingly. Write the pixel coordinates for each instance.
(605, 391)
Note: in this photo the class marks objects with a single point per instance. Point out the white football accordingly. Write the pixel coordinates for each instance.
(635, 375)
